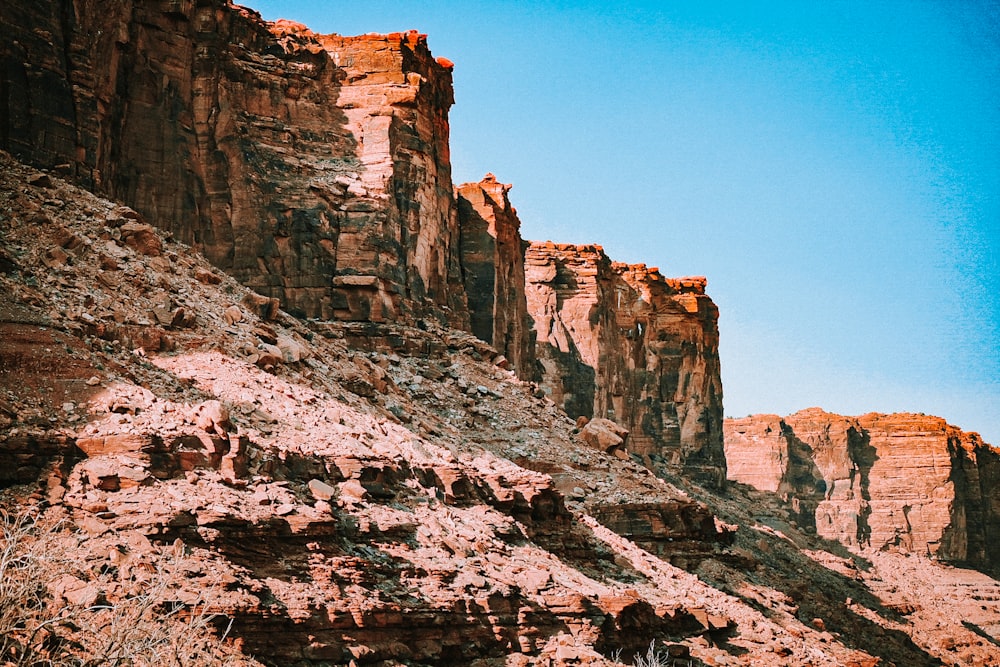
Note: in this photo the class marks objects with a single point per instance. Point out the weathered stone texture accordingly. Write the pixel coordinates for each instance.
(905, 481)
(622, 342)
(313, 168)
(493, 271)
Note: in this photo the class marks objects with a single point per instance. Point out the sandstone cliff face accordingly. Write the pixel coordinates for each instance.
(493, 271)
(403, 503)
(621, 341)
(316, 170)
(313, 168)
(902, 481)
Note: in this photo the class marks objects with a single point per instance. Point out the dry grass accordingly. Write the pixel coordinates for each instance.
(54, 611)
(654, 658)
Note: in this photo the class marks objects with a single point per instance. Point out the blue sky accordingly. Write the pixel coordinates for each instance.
(833, 168)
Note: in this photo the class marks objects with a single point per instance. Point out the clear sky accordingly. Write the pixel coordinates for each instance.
(832, 167)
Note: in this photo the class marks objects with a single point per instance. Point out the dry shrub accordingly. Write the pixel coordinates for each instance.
(55, 611)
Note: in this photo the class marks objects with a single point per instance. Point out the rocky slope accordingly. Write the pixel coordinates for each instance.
(901, 481)
(622, 342)
(373, 484)
(316, 170)
(413, 504)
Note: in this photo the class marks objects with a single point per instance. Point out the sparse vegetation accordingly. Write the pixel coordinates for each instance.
(54, 611)
(667, 658)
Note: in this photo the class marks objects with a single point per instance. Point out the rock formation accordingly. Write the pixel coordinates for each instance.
(314, 168)
(493, 271)
(899, 481)
(409, 502)
(370, 484)
(622, 342)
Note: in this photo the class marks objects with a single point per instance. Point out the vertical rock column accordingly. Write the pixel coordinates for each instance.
(493, 271)
(568, 288)
(672, 399)
(396, 98)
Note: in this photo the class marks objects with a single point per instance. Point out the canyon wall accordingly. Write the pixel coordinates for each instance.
(493, 271)
(905, 481)
(622, 342)
(314, 168)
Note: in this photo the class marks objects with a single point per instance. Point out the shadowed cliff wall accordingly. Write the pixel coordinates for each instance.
(620, 341)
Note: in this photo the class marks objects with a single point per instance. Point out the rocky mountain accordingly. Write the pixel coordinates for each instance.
(273, 390)
(901, 481)
(315, 169)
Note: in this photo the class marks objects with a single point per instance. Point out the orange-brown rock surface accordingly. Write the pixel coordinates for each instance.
(622, 342)
(383, 490)
(314, 168)
(493, 271)
(408, 502)
(900, 481)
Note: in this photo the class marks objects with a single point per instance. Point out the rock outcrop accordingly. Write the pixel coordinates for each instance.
(314, 168)
(493, 271)
(321, 495)
(338, 505)
(900, 481)
(622, 342)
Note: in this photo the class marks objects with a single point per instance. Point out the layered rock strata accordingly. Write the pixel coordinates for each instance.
(314, 168)
(899, 481)
(493, 271)
(338, 506)
(622, 342)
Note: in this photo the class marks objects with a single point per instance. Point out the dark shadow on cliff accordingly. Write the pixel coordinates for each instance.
(199, 118)
(578, 380)
(973, 474)
(478, 269)
(864, 455)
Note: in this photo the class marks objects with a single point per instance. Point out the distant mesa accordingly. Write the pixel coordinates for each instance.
(908, 482)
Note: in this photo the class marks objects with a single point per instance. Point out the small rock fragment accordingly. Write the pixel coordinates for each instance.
(266, 308)
(212, 416)
(40, 180)
(207, 277)
(321, 490)
(142, 238)
(232, 315)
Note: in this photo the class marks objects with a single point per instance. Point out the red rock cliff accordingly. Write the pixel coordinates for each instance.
(493, 271)
(905, 481)
(314, 168)
(623, 342)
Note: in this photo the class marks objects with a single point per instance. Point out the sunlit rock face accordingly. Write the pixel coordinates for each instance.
(899, 481)
(622, 342)
(493, 271)
(314, 168)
